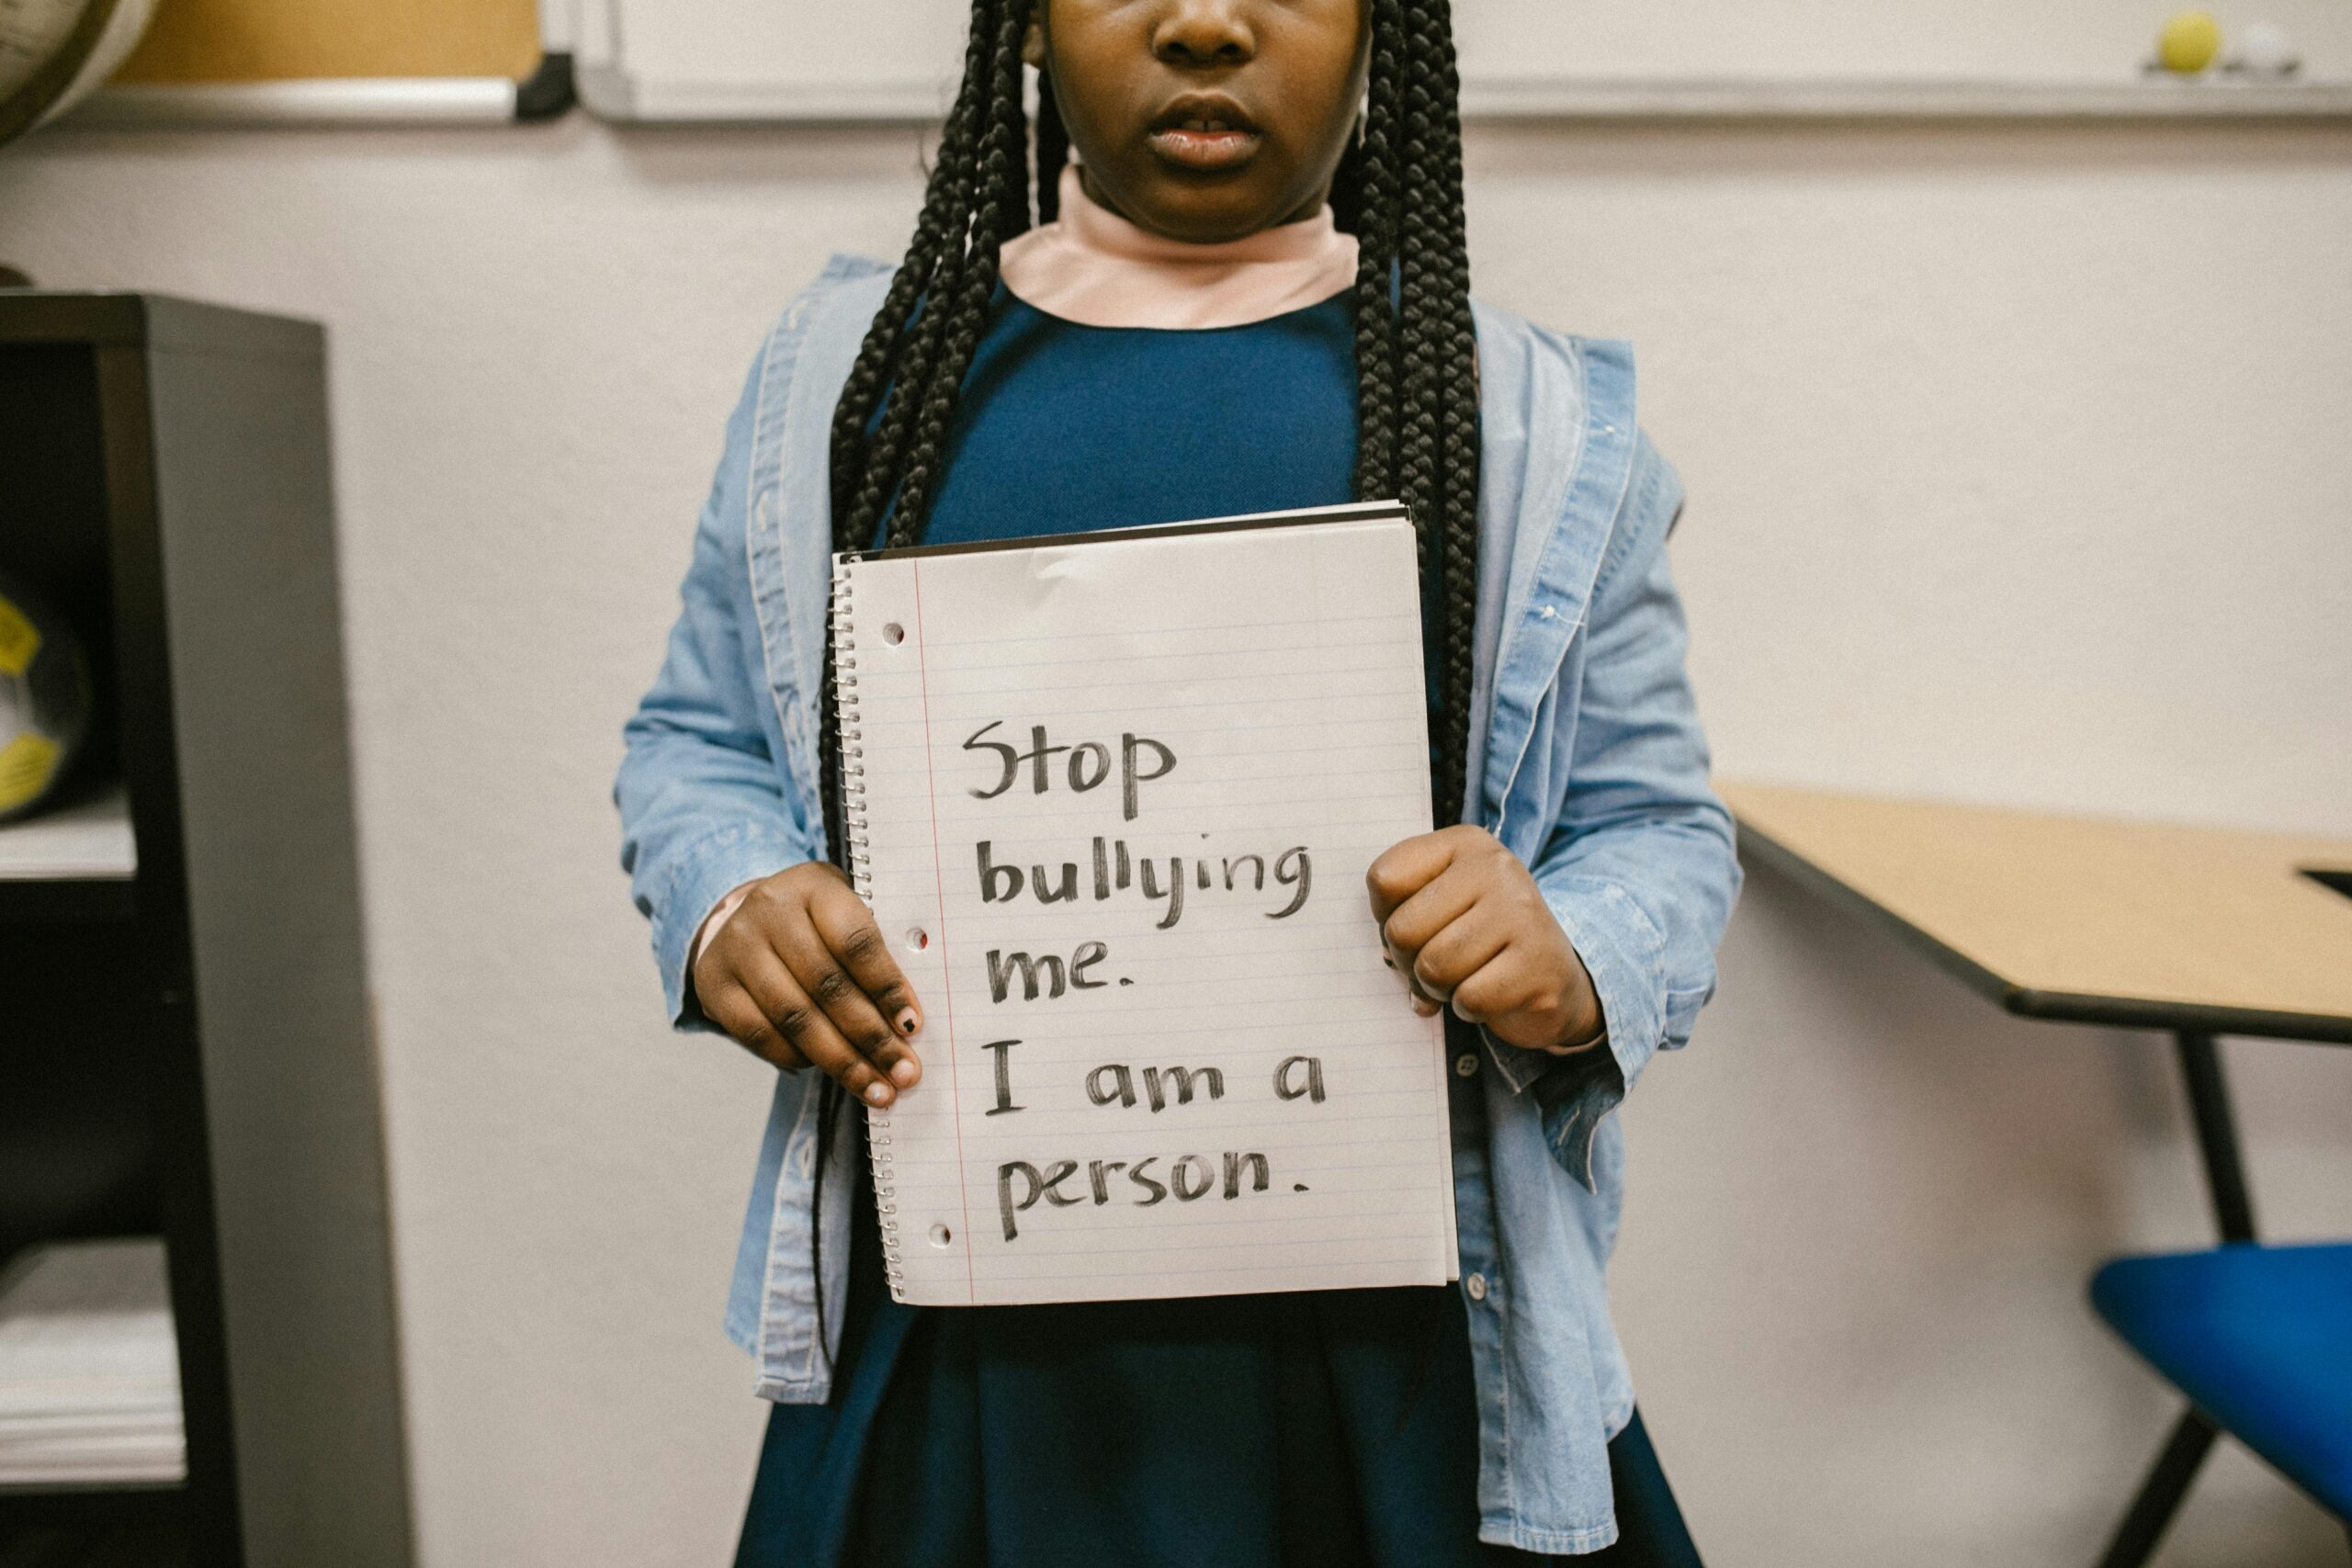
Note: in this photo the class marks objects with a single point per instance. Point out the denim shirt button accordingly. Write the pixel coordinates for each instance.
(1465, 1065)
(1476, 1287)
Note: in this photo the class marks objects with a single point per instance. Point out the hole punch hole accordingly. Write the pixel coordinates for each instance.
(917, 939)
(894, 634)
(941, 1235)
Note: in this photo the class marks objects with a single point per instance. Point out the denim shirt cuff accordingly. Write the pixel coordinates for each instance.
(717, 866)
(1574, 1094)
(1625, 954)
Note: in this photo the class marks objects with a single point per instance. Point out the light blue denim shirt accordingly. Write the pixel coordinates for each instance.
(1590, 765)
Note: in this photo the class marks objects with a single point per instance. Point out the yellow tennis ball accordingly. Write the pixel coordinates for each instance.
(2189, 42)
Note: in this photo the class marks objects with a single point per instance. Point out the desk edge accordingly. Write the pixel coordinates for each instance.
(2024, 1001)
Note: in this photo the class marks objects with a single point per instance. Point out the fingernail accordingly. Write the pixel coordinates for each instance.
(902, 1073)
(1423, 1008)
(877, 1094)
(1385, 959)
(909, 1022)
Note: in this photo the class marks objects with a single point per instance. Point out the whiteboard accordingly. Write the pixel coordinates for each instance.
(891, 60)
(2013, 41)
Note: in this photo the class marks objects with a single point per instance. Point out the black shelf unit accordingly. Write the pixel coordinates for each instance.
(66, 900)
(186, 1045)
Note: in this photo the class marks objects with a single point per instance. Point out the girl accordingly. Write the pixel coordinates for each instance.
(1250, 292)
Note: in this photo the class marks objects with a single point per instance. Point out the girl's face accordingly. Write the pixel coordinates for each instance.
(1205, 119)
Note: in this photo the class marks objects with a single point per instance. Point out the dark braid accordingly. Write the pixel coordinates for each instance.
(904, 344)
(1376, 201)
(1003, 175)
(1052, 151)
(1460, 445)
(870, 376)
(1432, 283)
(901, 349)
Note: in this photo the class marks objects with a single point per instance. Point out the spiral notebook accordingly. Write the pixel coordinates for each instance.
(1112, 797)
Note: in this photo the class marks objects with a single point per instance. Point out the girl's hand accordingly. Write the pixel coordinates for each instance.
(800, 975)
(1462, 919)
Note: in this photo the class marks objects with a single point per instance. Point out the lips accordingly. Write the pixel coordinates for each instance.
(1204, 131)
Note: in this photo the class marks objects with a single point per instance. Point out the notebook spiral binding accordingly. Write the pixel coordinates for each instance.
(858, 858)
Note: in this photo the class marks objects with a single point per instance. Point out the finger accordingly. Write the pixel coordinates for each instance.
(1423, 1004)
(844, 1003)
(795, 1016)
(1404, 868)
(1502, 987)
(1458, 951)
(848, 928)
(1403, 960)
(1440, 902)
(731, 1008)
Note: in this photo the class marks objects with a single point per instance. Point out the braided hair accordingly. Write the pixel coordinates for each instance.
(1399, 188)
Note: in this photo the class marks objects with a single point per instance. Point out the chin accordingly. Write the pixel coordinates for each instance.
(1205, 213)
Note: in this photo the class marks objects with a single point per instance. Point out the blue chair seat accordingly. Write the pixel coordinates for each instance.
(2260, 1339)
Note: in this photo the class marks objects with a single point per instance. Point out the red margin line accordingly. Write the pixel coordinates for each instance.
(947, 986)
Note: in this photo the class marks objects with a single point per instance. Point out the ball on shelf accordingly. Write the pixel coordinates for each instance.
(2189, 43)
(2265, 50)
(44, 700)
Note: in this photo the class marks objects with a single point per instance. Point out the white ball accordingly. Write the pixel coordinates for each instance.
(2263, 49)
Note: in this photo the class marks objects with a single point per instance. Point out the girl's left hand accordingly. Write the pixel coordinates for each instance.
(1462, 919)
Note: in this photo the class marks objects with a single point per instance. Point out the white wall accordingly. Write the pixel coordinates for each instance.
(2018, 461)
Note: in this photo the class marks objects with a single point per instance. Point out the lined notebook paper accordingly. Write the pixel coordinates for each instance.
(1112, 797)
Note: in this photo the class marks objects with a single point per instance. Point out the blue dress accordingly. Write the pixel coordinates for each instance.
(1317, 1429)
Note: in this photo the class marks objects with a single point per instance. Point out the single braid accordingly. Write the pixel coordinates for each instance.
(1376, 240)
(885, 464)
(1457, 358)
(1053, 151)
(1421, 425)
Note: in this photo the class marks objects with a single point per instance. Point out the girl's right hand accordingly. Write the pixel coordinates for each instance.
(801, 977)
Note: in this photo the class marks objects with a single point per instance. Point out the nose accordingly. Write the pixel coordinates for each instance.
(1194, 33)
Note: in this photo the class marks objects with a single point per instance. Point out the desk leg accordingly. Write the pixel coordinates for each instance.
(2217, 1135)
(2135, 1538)
(2217, 1142)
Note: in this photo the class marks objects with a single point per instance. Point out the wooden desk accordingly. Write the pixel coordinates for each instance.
(2196, 931)
(2136, 925)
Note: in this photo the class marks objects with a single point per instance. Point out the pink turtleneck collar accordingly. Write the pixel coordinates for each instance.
(1094, 267)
